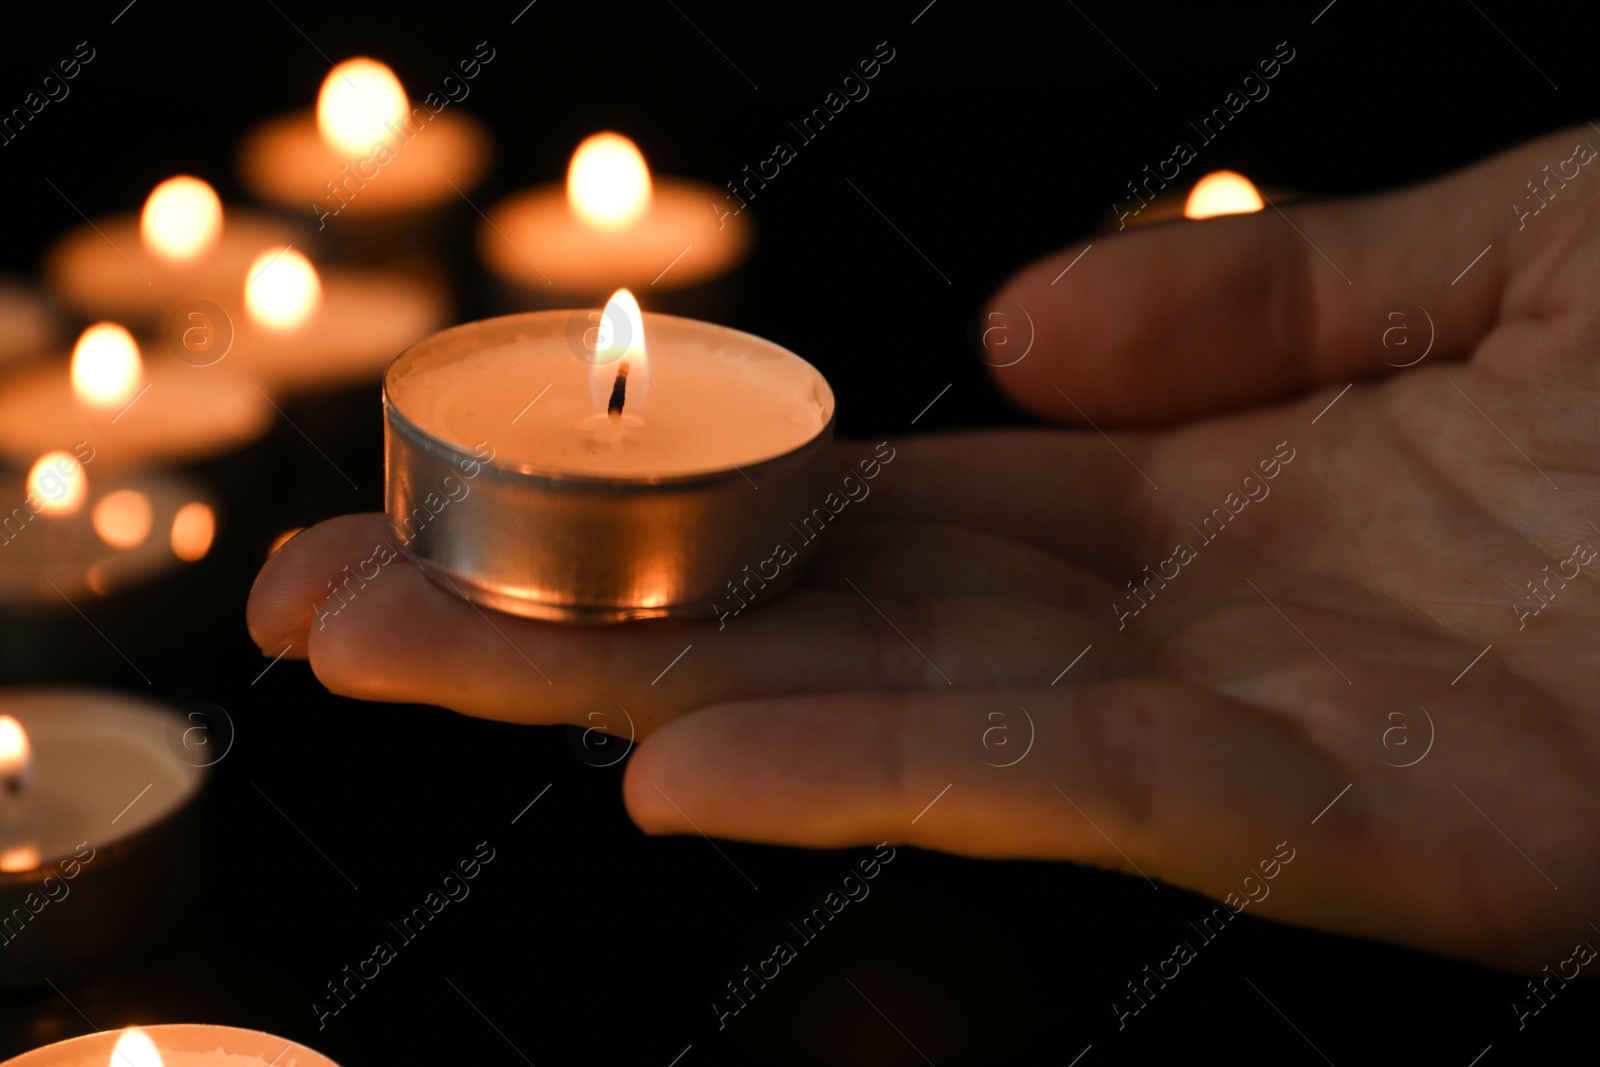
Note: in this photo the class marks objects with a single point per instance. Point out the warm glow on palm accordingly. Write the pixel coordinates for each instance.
(1370, 584)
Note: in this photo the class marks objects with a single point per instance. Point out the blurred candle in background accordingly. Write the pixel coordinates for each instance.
(101, 795)
(132, 413)
(72, 533)
(361, 150)
(1221, 192)
(610, 225)
(305, 330)
(182, 246)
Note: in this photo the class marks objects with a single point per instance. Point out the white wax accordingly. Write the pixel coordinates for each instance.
(107, 273)
(94, 752)
(180, 1045)
(718, 399)
(187, 413)
(534, 238)
(44, 557)
(286, 161)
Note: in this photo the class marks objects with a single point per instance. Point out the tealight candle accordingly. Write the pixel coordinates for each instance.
(174, 1045)
(305, 330)
(363, 151)
(94, 827)
(182, 246)
(611, 224)
(556, 465)
(72, 532)
(88, 557)
(131, 413)
(1222, 192)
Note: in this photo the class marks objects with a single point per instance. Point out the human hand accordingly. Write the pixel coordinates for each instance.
(1354, 568)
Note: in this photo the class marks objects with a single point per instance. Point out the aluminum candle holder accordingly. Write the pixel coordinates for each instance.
(529, 503)
(87, 877)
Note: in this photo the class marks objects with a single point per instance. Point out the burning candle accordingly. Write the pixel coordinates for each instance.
(16, 771)
(73, 760)
(174, 1045)
(620, 457)
(78, 543)
(66, 534)
(1222, 192)
(130, 413)
(54, 480)
(611, 224)
(96, 791)
(305, 330)
(182, 246)
(361, 150)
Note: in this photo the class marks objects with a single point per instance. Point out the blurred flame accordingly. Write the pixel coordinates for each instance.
(15, 752)
(20, 858)
(608, 183)
(193, 528)
(282, 290)
(122, 518)
(1222, 193)
(58, 481)
(619, 340)
(182, 218)
(358, 98)
(106, 369)
(135, 1049)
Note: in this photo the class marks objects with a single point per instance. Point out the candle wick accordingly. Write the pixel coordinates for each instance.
(619, 393)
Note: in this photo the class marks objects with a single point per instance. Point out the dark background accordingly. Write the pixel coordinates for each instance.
(998, 132)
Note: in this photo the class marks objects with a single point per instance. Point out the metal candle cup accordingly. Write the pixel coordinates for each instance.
(98, 856)
(572, 520)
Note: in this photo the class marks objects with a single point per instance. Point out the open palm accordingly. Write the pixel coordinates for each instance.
(1297, 621)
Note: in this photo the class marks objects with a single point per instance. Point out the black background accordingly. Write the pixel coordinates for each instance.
(998, 133)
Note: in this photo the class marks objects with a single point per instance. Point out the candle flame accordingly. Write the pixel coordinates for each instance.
(58, 481)
(106, 369)
(122, 518)
(282, 289)
(20, 858)
(135, 1049)
(360, 100)
(608, 183)
(618, 341)
(193, 528)
(1222, 192)
(182, 219)
(15, 752)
